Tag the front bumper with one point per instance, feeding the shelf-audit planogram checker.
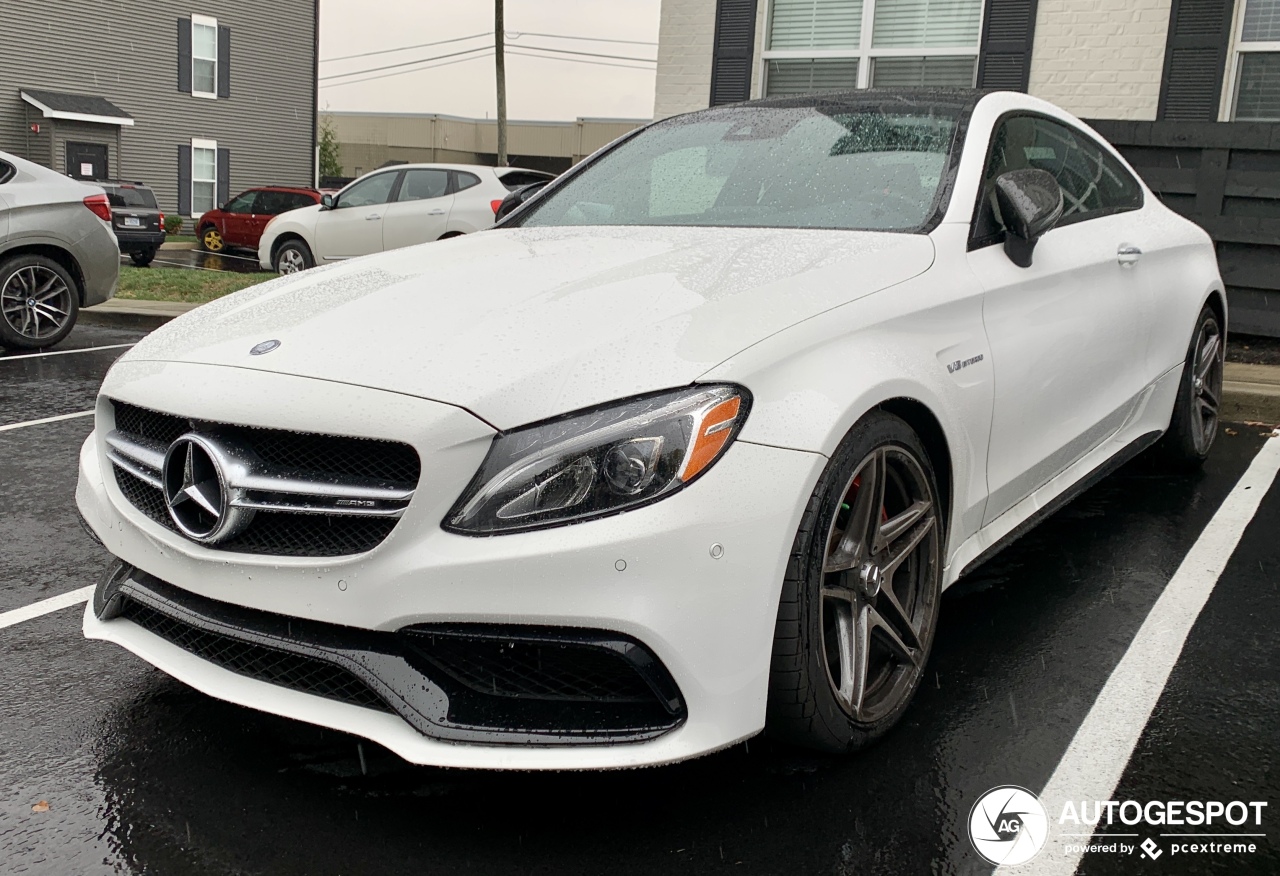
(647, 575)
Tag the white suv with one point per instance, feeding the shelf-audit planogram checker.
(390, 208)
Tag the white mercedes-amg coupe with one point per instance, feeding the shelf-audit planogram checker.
(684, 450)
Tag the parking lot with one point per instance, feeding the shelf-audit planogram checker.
(142, 774)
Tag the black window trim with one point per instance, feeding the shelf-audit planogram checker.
(975, 242)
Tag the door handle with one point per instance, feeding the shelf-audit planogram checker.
(372, 216)
(1128, 254)
(435, 212)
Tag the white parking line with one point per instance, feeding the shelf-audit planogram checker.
(46, 420)
(1093, 764)
(45, 606)
(66, 352)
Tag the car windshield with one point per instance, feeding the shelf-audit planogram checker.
(841, 166)
(131, 197)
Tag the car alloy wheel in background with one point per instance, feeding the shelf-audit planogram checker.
(292, 258)
(1206, 383)
(211, 240)
(38, 302)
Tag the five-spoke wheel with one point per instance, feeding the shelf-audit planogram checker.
(858, 613)
(1194, 423)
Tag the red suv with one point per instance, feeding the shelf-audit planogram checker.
(239, 222)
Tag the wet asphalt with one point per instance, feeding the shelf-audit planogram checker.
(145, 775)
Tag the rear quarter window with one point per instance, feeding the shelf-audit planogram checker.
(7, 172)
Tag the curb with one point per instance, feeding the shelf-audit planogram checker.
(178, 244)
(1250, 393)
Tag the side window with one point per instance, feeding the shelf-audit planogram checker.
(272, 203)
(466, 180)
(297, 201)
(369, 191)
(242, 203)
(420, 185)
(1093, 183)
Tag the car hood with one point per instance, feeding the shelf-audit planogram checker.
(520, 324)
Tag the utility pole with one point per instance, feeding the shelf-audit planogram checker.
(500, 65)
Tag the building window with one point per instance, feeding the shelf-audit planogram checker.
(204, 176)
(1257, 63)
(835, 45)
(204, 56)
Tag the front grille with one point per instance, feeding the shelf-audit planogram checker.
(294, 671)
(322, 464)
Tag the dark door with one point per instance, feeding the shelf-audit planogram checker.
(87, 161)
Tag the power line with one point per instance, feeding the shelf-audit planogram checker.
(516, 34)
(511, 35)
(589, 54)
(405, 63)
(488, 54)
(578, 61)
(404, 48)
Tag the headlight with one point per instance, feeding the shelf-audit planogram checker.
(600, 461)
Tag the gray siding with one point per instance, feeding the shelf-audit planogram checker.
(127, 52)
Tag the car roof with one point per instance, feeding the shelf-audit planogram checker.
(957, 98)
(303, 189)
(470, 168)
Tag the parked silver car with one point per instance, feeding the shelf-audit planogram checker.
(57, 252)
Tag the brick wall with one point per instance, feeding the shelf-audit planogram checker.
(1100, 59)
(686, 33)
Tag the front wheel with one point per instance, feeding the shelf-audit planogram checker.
(1194, 424)
(293, 257)
(860, 600)
(211, 240)
(39, 302)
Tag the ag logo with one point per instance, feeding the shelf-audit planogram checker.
(1008, 825)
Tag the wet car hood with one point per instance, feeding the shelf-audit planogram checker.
(520, 324)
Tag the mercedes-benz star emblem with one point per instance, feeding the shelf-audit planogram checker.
(264, 347)
(196, 491)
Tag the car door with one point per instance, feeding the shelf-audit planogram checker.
(1068, 333)
(236, 220)
(267, 206)
(421, 210)
(353, 227)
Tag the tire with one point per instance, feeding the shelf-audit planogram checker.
(891, 604)
(39, 302)
(143, 257)
(292, 257)
(1194, 424)
(210, 239)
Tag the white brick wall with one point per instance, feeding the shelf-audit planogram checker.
(1100, 59)
(686, 36)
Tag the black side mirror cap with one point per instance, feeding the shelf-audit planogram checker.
(1030, 204)
(516, 198)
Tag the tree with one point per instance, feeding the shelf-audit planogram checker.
(500, 69)
(330, 152)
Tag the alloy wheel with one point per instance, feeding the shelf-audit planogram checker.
(212, 240)
(878, 584)
(1206, 384)
(291, 262)
(36, 302)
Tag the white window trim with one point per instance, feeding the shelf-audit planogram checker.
(864, 53)
(205, 21)
(1236, 50)
(203, 144)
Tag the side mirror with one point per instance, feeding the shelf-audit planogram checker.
(326, 202)
(516, 198)
(1030, 203)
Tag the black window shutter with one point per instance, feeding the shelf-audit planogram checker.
(184, 180)
(224, 61)
(1004, 60)
(184, 55)
(1195, 60)
(732, 51)
(224, 176)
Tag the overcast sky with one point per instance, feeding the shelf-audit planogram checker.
(537, 88)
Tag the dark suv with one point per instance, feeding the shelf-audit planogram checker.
(239, 222)
(136, 219)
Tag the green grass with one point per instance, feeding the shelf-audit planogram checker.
(182, 284)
